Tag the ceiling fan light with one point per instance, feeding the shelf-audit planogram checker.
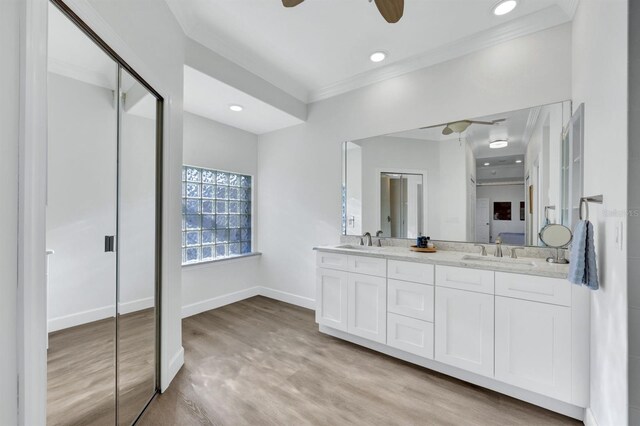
(504, 7)
(518, 161)
(378, 56)
(498, 144)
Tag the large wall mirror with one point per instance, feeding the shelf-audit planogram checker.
(479, 179)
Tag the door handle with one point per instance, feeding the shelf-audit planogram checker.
(109, 243)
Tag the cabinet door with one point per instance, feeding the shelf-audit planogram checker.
(533, 346)
(367, 307)
(331, 298)
(464, 330)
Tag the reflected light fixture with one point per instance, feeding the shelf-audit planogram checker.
(378, 56)
(518, 161)
(487, 164)
(236, 108)
(504, 7)
(498, 144)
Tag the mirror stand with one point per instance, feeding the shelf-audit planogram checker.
(558, 259)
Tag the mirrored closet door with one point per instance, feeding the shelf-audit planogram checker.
(103, 231)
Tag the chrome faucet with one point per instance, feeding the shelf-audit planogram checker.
(514, 255)
(379, 237)
(366, 235)
(498, 252)
(483, 249)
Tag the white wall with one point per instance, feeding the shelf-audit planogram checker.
(304, 162)
(353, 182)
(9, 128)
(213, 145)
(511, 193)
(600, 81)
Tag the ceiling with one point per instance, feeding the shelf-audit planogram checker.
(211, 98)
(514, 129)
(321, 47)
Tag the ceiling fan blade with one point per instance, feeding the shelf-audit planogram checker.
(391, 10)
(434, 126)
(291, 3)
(488, 123)
(447, 131)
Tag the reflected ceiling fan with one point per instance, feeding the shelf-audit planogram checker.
(462, 125)
(391, 10)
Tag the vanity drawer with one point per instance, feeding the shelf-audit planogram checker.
(368, 265)
(410, 299)
(332, 261)
(411, 271)
(538, 289)
(477, 280)
(410, 335)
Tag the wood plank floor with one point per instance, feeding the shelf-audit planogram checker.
(264, 362)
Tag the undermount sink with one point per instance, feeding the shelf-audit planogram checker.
(358, 247)
(498, 260)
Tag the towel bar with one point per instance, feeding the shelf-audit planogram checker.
(584, 201)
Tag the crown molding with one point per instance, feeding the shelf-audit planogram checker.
(570, 7)
(528, 24)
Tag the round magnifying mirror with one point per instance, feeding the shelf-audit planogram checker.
(556, 236)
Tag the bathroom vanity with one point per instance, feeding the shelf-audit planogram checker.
(516, 326)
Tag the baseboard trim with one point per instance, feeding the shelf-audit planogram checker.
(283, 296)
(176, 363)
(515, 392)
(589, 418)
(219, 301)
(136, 305)
(79, 318)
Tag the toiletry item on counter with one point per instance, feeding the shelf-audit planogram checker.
(422, 242)
(430, 243)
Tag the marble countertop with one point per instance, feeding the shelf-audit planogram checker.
(522, 265)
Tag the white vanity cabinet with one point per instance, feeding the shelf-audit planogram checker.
(533, 334)
(523, 335)
(367, 302)
(464, 329)
(331, 297)
(351, 294)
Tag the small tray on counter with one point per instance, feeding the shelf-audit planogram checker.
(423, 250)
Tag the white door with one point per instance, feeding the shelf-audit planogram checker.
(482, 220)
(331, 298)
(533, 346)
(367, 307)
(464, 330)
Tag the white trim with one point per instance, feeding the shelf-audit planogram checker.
(485, 382)
(79, 318)
(589, 418)
(526, 25)
(31, 303)
(136, 305)
(217, 302)
(176, 363)
(283, 296)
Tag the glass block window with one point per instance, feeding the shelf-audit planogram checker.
(216, 214)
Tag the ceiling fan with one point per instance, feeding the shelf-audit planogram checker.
(462, 125)
(391, 10)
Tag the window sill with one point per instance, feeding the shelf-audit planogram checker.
(225, 259)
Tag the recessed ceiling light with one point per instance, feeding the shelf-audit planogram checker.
(504, 7)
(378, 56)
(487, 164)
(498, 144)
(518, 161)
(236, 108)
